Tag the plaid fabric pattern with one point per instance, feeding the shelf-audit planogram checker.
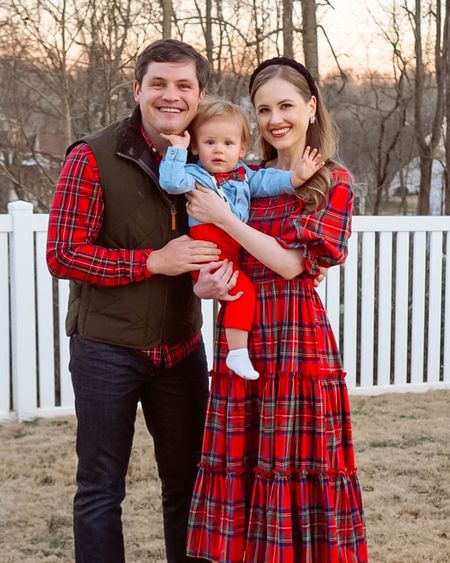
(153, 149)
(74, 224)
(277, 480)
(172, 354)
(323, 235)
(237, 174)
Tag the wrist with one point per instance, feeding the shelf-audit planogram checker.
(152, 262)
(296, 181)
(227, 221)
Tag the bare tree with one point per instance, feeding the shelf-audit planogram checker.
(206, 23)
(232, 48)
(167, 11)
(208, 30)
(66, 71)
(309, 35)
(447, 135)
(377, 129)
(427, 142)
(65, 63)
(393, 148)
(288, 45)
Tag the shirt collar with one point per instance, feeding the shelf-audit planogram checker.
(153, 150)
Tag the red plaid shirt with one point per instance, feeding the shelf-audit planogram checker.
(75, 222)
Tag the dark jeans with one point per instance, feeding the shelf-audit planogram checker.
(108, 382)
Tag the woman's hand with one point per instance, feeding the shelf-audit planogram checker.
(319, 279)
(206, 206)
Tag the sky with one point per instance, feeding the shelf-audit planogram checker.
(354, 35)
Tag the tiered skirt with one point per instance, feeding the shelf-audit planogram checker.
(277, 481)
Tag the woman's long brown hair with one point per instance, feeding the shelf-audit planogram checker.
(321, 135)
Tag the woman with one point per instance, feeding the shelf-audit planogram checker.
(277, 482)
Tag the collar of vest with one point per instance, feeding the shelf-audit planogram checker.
(131, 145)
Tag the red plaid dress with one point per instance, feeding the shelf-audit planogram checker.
(277, 480)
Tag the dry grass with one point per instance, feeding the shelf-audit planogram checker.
(403, 450)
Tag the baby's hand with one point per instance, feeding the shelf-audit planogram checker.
(180, 141)
(310, 163)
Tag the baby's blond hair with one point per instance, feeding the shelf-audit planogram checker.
(212, 108)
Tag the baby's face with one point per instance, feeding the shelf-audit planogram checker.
(218, 144)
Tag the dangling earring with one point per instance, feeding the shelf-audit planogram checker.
(312, 119)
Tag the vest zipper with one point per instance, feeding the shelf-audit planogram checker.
(173, 213)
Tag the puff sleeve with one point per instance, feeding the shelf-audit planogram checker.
(324, 234)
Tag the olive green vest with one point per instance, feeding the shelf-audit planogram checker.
(137, 215)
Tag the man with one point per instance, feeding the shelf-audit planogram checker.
(133, 319)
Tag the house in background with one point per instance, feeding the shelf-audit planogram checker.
(406, 183)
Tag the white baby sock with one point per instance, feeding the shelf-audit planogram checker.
(239, 361)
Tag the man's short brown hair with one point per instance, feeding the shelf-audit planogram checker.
(172, 51)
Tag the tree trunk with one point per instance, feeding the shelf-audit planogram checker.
(167, 18)
(423, 203)
(427, 148)
(288, 44)
(309, 35)
(258, 33)
(208, 31)
(403, 193)
(447, 113)
(379, 191)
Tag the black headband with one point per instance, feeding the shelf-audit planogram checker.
(286, 62)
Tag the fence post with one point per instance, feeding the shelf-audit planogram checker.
(23, 320)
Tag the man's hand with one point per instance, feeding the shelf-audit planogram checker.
(181, 255)
(180, 141)
(319, 279)
(216, 283)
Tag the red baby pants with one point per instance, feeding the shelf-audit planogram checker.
(238, 314)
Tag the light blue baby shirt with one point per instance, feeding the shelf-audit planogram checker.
(177, 177)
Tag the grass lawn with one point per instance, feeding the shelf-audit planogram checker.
(403, 452)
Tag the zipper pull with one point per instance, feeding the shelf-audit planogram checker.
(173, 213)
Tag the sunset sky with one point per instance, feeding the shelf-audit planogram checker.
(354, 35)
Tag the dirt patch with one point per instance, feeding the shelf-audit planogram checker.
(403, 453)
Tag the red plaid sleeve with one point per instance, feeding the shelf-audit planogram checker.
(324, 234)
(75, 221)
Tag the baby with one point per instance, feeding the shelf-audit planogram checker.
(220, 136)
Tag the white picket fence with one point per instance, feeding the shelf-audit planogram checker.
(389, 305)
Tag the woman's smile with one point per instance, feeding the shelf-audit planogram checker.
(280, 131)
